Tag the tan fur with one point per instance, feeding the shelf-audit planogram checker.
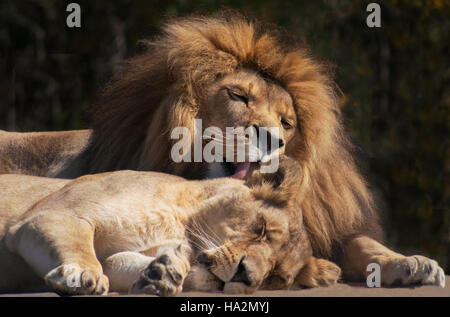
(175, 81)
(51, 154)
(129, 225)
(181, 76)
(322, 273)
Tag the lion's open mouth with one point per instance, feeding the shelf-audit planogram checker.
(241, 170)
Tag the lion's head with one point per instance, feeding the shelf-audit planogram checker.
(230, 71)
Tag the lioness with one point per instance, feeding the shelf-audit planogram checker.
(151, 233)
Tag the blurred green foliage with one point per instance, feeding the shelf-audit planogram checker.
(395, 85)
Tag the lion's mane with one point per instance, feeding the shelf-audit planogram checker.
(161, 88)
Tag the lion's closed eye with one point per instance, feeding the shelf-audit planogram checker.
(286, 123)
(238, 95)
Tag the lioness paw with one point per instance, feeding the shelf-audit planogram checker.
(73, 279)
(327, 274)
(318, 272)
(163, 277)
(414, 269)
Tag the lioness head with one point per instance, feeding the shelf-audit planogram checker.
(255, 242)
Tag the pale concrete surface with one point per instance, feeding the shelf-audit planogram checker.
(339, 290)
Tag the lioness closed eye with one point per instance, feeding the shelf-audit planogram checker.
(153, 233)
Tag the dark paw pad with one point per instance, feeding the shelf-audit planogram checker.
(154, 271)
(164, 259)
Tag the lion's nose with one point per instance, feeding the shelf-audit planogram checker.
(272, 141)
(242, 274)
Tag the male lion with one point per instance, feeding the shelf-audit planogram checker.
(230, 72)
(150, 231)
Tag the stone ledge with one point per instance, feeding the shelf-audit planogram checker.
(339, 290)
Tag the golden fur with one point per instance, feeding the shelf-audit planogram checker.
(127, 227)
(180, 76)
(163, 88)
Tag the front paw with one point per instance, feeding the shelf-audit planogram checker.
(411, 270)
(163, 277)
(317, 273)
(74, 280)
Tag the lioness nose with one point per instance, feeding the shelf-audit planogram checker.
(272, 141)
(242, 274)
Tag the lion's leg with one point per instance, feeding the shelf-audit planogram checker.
(318, 272)
(396, 268)
(60, 249)
(165, 275)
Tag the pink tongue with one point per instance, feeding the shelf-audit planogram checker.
(241, 170)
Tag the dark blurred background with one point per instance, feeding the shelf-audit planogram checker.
(394, 81)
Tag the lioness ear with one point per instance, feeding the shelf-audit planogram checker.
(288, 173)
(258, 178)
(280, 187)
